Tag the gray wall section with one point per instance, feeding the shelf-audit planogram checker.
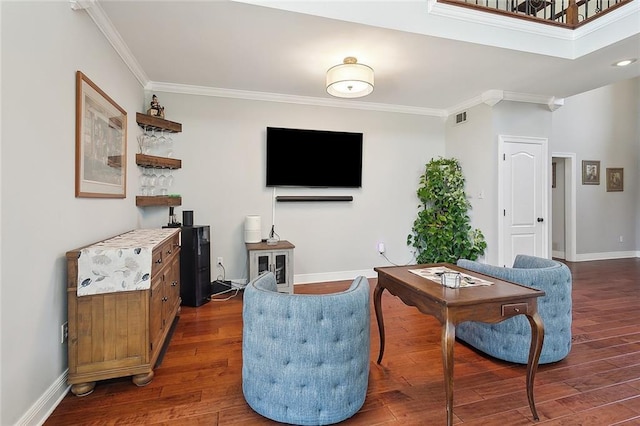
(558, 211)
(602, 125)
(475, 144)
(222, 147)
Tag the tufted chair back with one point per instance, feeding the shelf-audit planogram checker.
(510, 339)
(305, 357)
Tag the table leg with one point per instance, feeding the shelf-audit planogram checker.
(448, 340)
(537, 338)
(377, 304)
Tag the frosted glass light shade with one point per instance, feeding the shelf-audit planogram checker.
(350, 79)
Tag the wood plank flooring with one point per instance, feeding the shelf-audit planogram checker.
(199, 380)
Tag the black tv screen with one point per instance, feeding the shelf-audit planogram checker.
(313, 158)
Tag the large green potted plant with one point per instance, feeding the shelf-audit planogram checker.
(441, 232)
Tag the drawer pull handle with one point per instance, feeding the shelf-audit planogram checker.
(516, 309)
(169, 251)
(159, 261)
(175, 283)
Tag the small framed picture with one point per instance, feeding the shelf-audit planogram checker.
(615, 179)
(590, 172)
(553, 175)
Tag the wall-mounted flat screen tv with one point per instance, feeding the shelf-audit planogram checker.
(313, 158)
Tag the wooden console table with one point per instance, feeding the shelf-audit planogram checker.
(451, 306)
(120, 314)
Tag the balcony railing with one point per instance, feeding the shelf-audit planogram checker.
(564, 13)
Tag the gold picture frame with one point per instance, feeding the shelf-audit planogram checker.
(101, 143)
(615, 179)
(590, 172)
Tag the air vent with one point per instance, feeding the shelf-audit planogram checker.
(461, 117)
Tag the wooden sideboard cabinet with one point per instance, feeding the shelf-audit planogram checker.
(121, 333)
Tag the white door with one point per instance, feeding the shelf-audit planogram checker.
(523, 184)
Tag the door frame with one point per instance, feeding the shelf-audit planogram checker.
(546, 194)
(570, 170)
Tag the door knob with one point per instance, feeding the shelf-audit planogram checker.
(540, 219)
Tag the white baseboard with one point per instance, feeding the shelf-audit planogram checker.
(333, 276)
(584, 257)
(44, 406)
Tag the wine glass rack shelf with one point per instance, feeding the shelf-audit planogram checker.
(144, 160)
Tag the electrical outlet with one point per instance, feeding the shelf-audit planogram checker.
(380, 247)
(64, 332)
(621, 239)
(219, 261)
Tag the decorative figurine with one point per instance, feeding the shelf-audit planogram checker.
(156, 109)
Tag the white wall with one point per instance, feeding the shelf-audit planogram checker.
(43, 44)
(472, 143)
(558, 194)
(602, 125)
(637, 120)
(475, 144)
(222, 148)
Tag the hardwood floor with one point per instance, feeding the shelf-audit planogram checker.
(199, 380)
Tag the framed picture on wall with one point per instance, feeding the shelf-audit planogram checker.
(615, 179)
(590, 172)
(553, 175)
(101, 143)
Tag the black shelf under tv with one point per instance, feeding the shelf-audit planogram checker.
(300, 198)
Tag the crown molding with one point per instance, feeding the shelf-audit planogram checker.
(576, 43)
(493, 97)
(608, 19)
(503, 22)
(291, 99)
(490, 97)
(102, 21)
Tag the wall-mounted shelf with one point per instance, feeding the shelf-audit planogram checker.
(298, 198)
(158, 200)
(144, 160)
(145, 121)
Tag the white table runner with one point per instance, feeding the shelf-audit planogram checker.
(121, 263)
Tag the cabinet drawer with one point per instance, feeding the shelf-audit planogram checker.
(514, 309)
(170, 249)
(156, 259)
(164, 253)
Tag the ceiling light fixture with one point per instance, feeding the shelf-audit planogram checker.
(350, 79)
(625, 62)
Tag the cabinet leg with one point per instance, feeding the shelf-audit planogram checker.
(83, 389)
(142, 379)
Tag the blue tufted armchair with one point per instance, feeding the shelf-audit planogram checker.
(305, 357)
(509, 340)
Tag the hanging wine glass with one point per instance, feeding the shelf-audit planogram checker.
(151, 140)
(162, 182)
(169, 178)
(144, 181)
(141, 142)
(169, 146)
(162, 144)
(153, 181)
